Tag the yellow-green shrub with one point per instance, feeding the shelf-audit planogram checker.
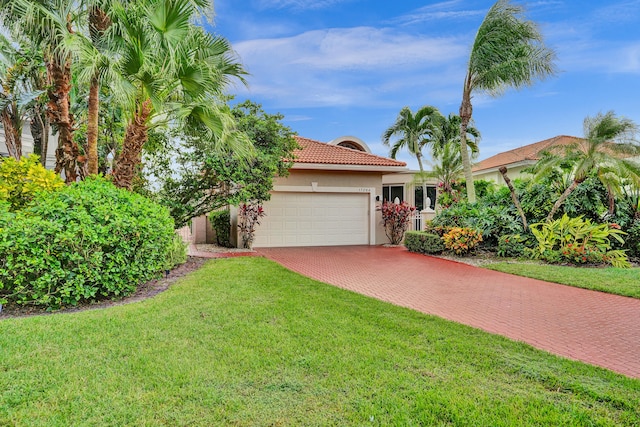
(21, 180)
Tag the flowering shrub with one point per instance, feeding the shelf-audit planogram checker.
(578, 241)
(395, 218)
(461, 240)
(248, 217)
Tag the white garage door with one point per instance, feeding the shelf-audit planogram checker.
(314, 219)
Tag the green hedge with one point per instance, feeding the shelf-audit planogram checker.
(221, 223)
(423, 242)
(87, 241)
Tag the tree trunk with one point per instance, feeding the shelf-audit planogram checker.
(514, 197)
(92, 127)
(12, 134)
(59, 114)
(466, 110)
(99, 22)
(562, 198)
(131, 155)
(40, 133)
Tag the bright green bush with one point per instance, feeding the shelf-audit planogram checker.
(176, 252)
(423, 243)
(461, 240)
(87, 241)
(21, 180)
(221, 223)
(578, 241)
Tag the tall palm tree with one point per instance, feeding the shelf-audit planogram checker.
(177, 74)
(508, 51)
(46, 23)
(607, 150)
(413, 132)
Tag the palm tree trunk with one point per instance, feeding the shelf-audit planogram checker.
(92, 127)
(99, 22)
(514, 197)
(59, 114)
(562, 198)
(466, 110)
(131, 155)
(12, 135)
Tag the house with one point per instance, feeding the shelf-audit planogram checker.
(518, 159)
(330, 198)
(27, 145)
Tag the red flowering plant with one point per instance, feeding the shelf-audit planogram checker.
(396, 218)
(249, 215)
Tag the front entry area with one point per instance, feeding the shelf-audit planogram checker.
(314, 219)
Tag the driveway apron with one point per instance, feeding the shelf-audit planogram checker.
(593, 327)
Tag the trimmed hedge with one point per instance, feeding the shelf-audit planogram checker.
(423, 242)
(87, 241)
(221, 223)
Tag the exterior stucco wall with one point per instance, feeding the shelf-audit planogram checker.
(514, 172)
(341, 179)
(406, 179)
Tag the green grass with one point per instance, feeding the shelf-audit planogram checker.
(246, 342)
(619, 281)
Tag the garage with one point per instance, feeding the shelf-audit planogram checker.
(314, 219)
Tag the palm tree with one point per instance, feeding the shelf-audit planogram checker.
(176, 73)
(607, 150)
(447, 159)
(413, 132)
(46, 23)
(508, 51)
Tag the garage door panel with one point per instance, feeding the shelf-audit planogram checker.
(314, 219)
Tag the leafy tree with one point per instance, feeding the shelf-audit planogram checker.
(508, 51)
(413, 132)
(204, 180)
(607, 150)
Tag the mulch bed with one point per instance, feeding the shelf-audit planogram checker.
(144, 291)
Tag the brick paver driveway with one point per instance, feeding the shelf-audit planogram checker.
(590, 326)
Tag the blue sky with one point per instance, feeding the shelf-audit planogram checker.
(347, 67)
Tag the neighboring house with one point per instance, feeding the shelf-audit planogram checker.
(27, 145)
(331, 197)
(517, 159)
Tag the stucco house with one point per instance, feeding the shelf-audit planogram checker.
(330, 198)
(518, 159)
(27, 145)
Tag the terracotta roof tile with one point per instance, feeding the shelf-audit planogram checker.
(320, 153)
(528, 152)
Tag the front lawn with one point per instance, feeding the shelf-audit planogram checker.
(246, 342)
(619, 281)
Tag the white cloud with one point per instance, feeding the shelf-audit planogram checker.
(349, 66)
(436, 12)
(351, 48)
(298, 4)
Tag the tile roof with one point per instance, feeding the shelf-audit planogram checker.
(317, 152)
(529, 152)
